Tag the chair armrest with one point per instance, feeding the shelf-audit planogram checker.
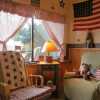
(36, 80)
(4, 91)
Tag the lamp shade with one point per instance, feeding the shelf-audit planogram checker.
(49, 46)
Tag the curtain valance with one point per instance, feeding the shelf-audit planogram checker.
(29, 11)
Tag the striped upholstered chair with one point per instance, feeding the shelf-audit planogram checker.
(14, 83)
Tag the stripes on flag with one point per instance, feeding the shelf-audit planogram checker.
(89, 22)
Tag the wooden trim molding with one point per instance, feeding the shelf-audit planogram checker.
(97, 45)
(76, 45)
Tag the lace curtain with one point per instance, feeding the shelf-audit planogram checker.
(9, 25)
(56, 34)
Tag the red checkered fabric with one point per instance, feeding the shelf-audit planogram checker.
(97, 74)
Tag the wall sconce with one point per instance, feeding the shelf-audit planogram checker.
(61, 3)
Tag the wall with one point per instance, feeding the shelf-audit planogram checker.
(49, 5)
(76, 37)
(52, 6)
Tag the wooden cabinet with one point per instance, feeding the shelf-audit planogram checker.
(50, 71)
(32, 68)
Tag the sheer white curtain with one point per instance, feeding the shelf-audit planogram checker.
(56, 33)
(9, 24)
(58, 30)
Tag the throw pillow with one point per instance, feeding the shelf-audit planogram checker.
(97, 74)
(85, 71)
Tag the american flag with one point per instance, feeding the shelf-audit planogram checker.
(86, 15)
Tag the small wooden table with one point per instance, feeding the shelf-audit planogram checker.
(51, 68)
(46, 69)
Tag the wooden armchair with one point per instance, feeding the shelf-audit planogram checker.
(14, 82)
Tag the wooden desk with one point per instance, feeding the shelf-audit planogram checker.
(50, 71)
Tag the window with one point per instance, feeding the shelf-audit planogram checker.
(22, 41)
(21, 37)
(47, 31)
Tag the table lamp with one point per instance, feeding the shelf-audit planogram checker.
(49, 46)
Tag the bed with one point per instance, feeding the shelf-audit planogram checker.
(79, 88)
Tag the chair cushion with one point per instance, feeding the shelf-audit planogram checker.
(31, 93)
